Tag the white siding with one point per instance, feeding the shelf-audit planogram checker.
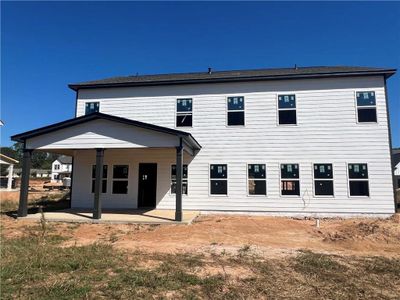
(327, 131)
(102, 134)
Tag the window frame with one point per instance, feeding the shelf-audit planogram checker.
(183, 113)
(57, 167)
(119, 179)
(258, 179)
(170, 180)
(227, 111)
(357, 179)
(366, 106)
(102, 179)
(323, 179)
(87, 102)
(279, 109)
(288, 179)
(209, 180)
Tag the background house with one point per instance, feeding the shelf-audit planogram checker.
(60, 168)
(7, 181)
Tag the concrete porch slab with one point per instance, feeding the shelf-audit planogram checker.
(156, 216)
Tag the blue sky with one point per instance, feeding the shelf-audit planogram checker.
(46, 45)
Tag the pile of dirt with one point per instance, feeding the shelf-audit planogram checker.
(373, 230)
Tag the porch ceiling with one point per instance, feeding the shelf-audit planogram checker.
(100, 130)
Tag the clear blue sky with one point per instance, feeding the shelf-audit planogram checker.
(45, 46)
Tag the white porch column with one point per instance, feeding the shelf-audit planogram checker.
(10, 176)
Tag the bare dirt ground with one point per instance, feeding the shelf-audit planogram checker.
(268, 236)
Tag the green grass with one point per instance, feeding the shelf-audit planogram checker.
(36, 266)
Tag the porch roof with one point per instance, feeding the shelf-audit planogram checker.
(188, 141)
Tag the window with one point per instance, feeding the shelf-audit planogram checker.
(218, 179)
(358, 179)
(323, 180)
(366, 107)
(235, 111)
(257, 184)
(184, 179)
(287, 109)
(103, 181)
(290, 183)
(120, 179)
(184, 113)
(56, 167)
(92, 107)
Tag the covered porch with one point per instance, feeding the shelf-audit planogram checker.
(109, 165)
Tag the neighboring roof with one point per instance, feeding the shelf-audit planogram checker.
(237, 75)
(396, 155)
(94, 116)
(7, 160)
(65, 159)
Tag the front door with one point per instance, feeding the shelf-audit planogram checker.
(147, 185)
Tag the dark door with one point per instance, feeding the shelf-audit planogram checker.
(147, 185)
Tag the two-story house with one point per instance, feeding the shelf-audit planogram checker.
(60, 168)
(311, 140)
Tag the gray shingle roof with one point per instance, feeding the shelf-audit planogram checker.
(237, 75)
(65, 159)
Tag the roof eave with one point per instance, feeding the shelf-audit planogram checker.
(385, 72)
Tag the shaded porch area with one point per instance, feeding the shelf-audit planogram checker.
(154, 216)
(105, 138)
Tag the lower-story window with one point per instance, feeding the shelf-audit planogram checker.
(103, 181)
(120, 179)
(290, 182)
(358, 180)
(323, 180)
(256, 179)
(184, 179)
(219, 179)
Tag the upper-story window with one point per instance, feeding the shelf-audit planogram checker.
(287, 109)
(184, 112)
(235, 111)
(366, 107)
(92, 107)
(56, 167)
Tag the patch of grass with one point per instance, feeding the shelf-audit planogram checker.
(36, 267)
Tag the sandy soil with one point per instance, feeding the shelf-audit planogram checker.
(269, 236)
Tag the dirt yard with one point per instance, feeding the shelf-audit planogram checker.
(269, 236)
(216, 257)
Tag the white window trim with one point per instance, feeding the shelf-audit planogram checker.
(323, 179)
(357, 179)
(256, 179)
(288, 179)
(366, 106)
(241, 110)
(279, 109)
(209, 180)
(102, 179)
(181, 113)
(119, 179)
(170, 180)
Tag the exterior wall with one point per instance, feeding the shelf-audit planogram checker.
(63, 168)
(327, 132)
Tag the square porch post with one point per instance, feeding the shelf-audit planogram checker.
(23, 193)
(10, 176)
(179, 172)
(98, 183)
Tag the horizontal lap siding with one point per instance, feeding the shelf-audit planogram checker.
(327, 131)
